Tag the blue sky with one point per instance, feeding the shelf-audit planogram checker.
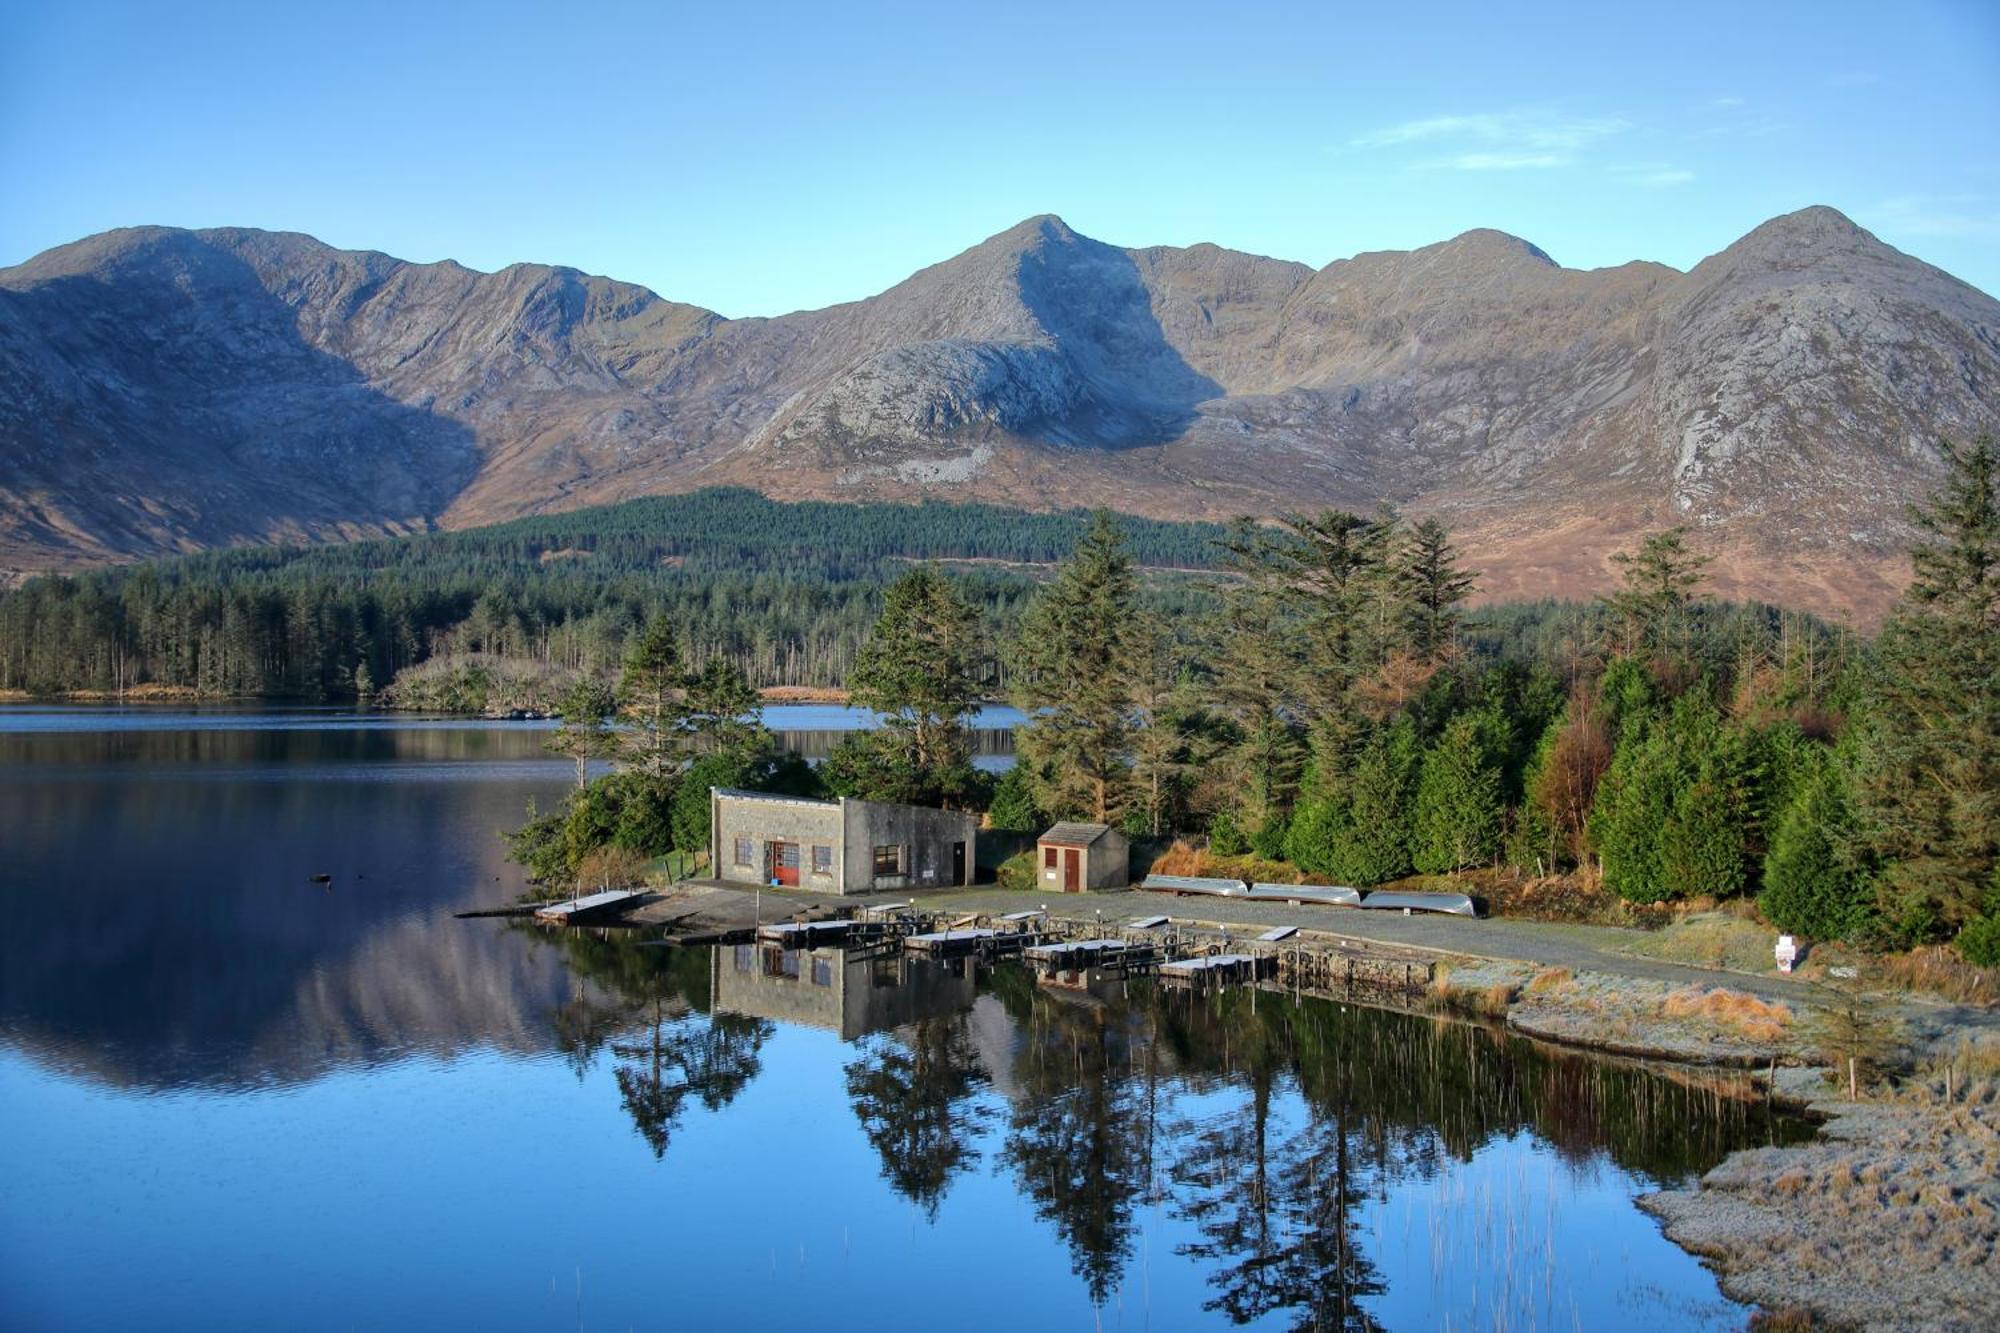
(762, 158)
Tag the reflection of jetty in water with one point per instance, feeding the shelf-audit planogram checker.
(846, 992)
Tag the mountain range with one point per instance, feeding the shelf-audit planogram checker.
(165, 390)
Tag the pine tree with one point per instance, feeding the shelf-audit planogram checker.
(652, 699)
(1431, 589)
(1658, 589)
(1168, 741)
(1357, 830)
(1701, 846)
(1632, 805)
(1810, 885)
(1929, 790)
(1674, 814)
(724, 714)
(918, 669)
(582, 734)
(1256, 650)
(1455, 822)
(1072, 663)
(1013, 808)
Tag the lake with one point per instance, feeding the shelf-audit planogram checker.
(236, 1098)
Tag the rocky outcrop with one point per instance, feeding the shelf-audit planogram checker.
(162, 390)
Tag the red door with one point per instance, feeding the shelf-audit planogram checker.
(1072, 880)
(785, 863)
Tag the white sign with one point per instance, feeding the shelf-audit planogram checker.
(1787, 952)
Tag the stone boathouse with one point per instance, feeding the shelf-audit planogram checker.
(843, 846)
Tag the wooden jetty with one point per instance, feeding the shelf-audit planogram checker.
(591, 907)
(963, 941)
(1079, 964)
(1211, 970)
(1070, 953)
(803, 934)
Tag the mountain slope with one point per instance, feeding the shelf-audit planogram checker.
(163, 390)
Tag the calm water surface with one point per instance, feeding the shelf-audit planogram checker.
(235, 1099)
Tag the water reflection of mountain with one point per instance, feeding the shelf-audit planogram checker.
(162, 928)
(163, 931)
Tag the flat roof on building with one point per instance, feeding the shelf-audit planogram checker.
(771, 797)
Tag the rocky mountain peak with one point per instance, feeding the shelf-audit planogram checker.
(232, 385)
(1484, 245)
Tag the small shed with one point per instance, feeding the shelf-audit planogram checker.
(1075, 857)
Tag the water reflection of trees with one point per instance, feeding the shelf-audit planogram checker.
(1326, 1105)
(915, 1093)
(709, 1057)
(650, 1007)
(1261, 1121)
(1270, 1204)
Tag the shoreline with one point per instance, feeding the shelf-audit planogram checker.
(188, 694)
(1888, 1219)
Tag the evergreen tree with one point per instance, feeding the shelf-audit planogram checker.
(1701, 846)
(1633, 803)
(1673, 815)
(1810, 886)
(1455, 821)
(1255, 649)
(1167, 740)
(1929, 791)
(1358, 830)
(651, 698)
(1072, 667)
(1658, 589)
(1013, 809)
(1431, 589)
(919, 670)
(723, 714)
(582, 734)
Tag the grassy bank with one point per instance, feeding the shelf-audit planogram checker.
(1889, 1220)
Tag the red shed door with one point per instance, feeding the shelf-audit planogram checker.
(785, 863)
(1072, 877)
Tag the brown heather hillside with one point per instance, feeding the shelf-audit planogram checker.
(164, 390)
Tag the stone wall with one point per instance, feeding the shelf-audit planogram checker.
(925, 835)
(765, 819)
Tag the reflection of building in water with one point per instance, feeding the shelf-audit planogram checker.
(850, 994)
